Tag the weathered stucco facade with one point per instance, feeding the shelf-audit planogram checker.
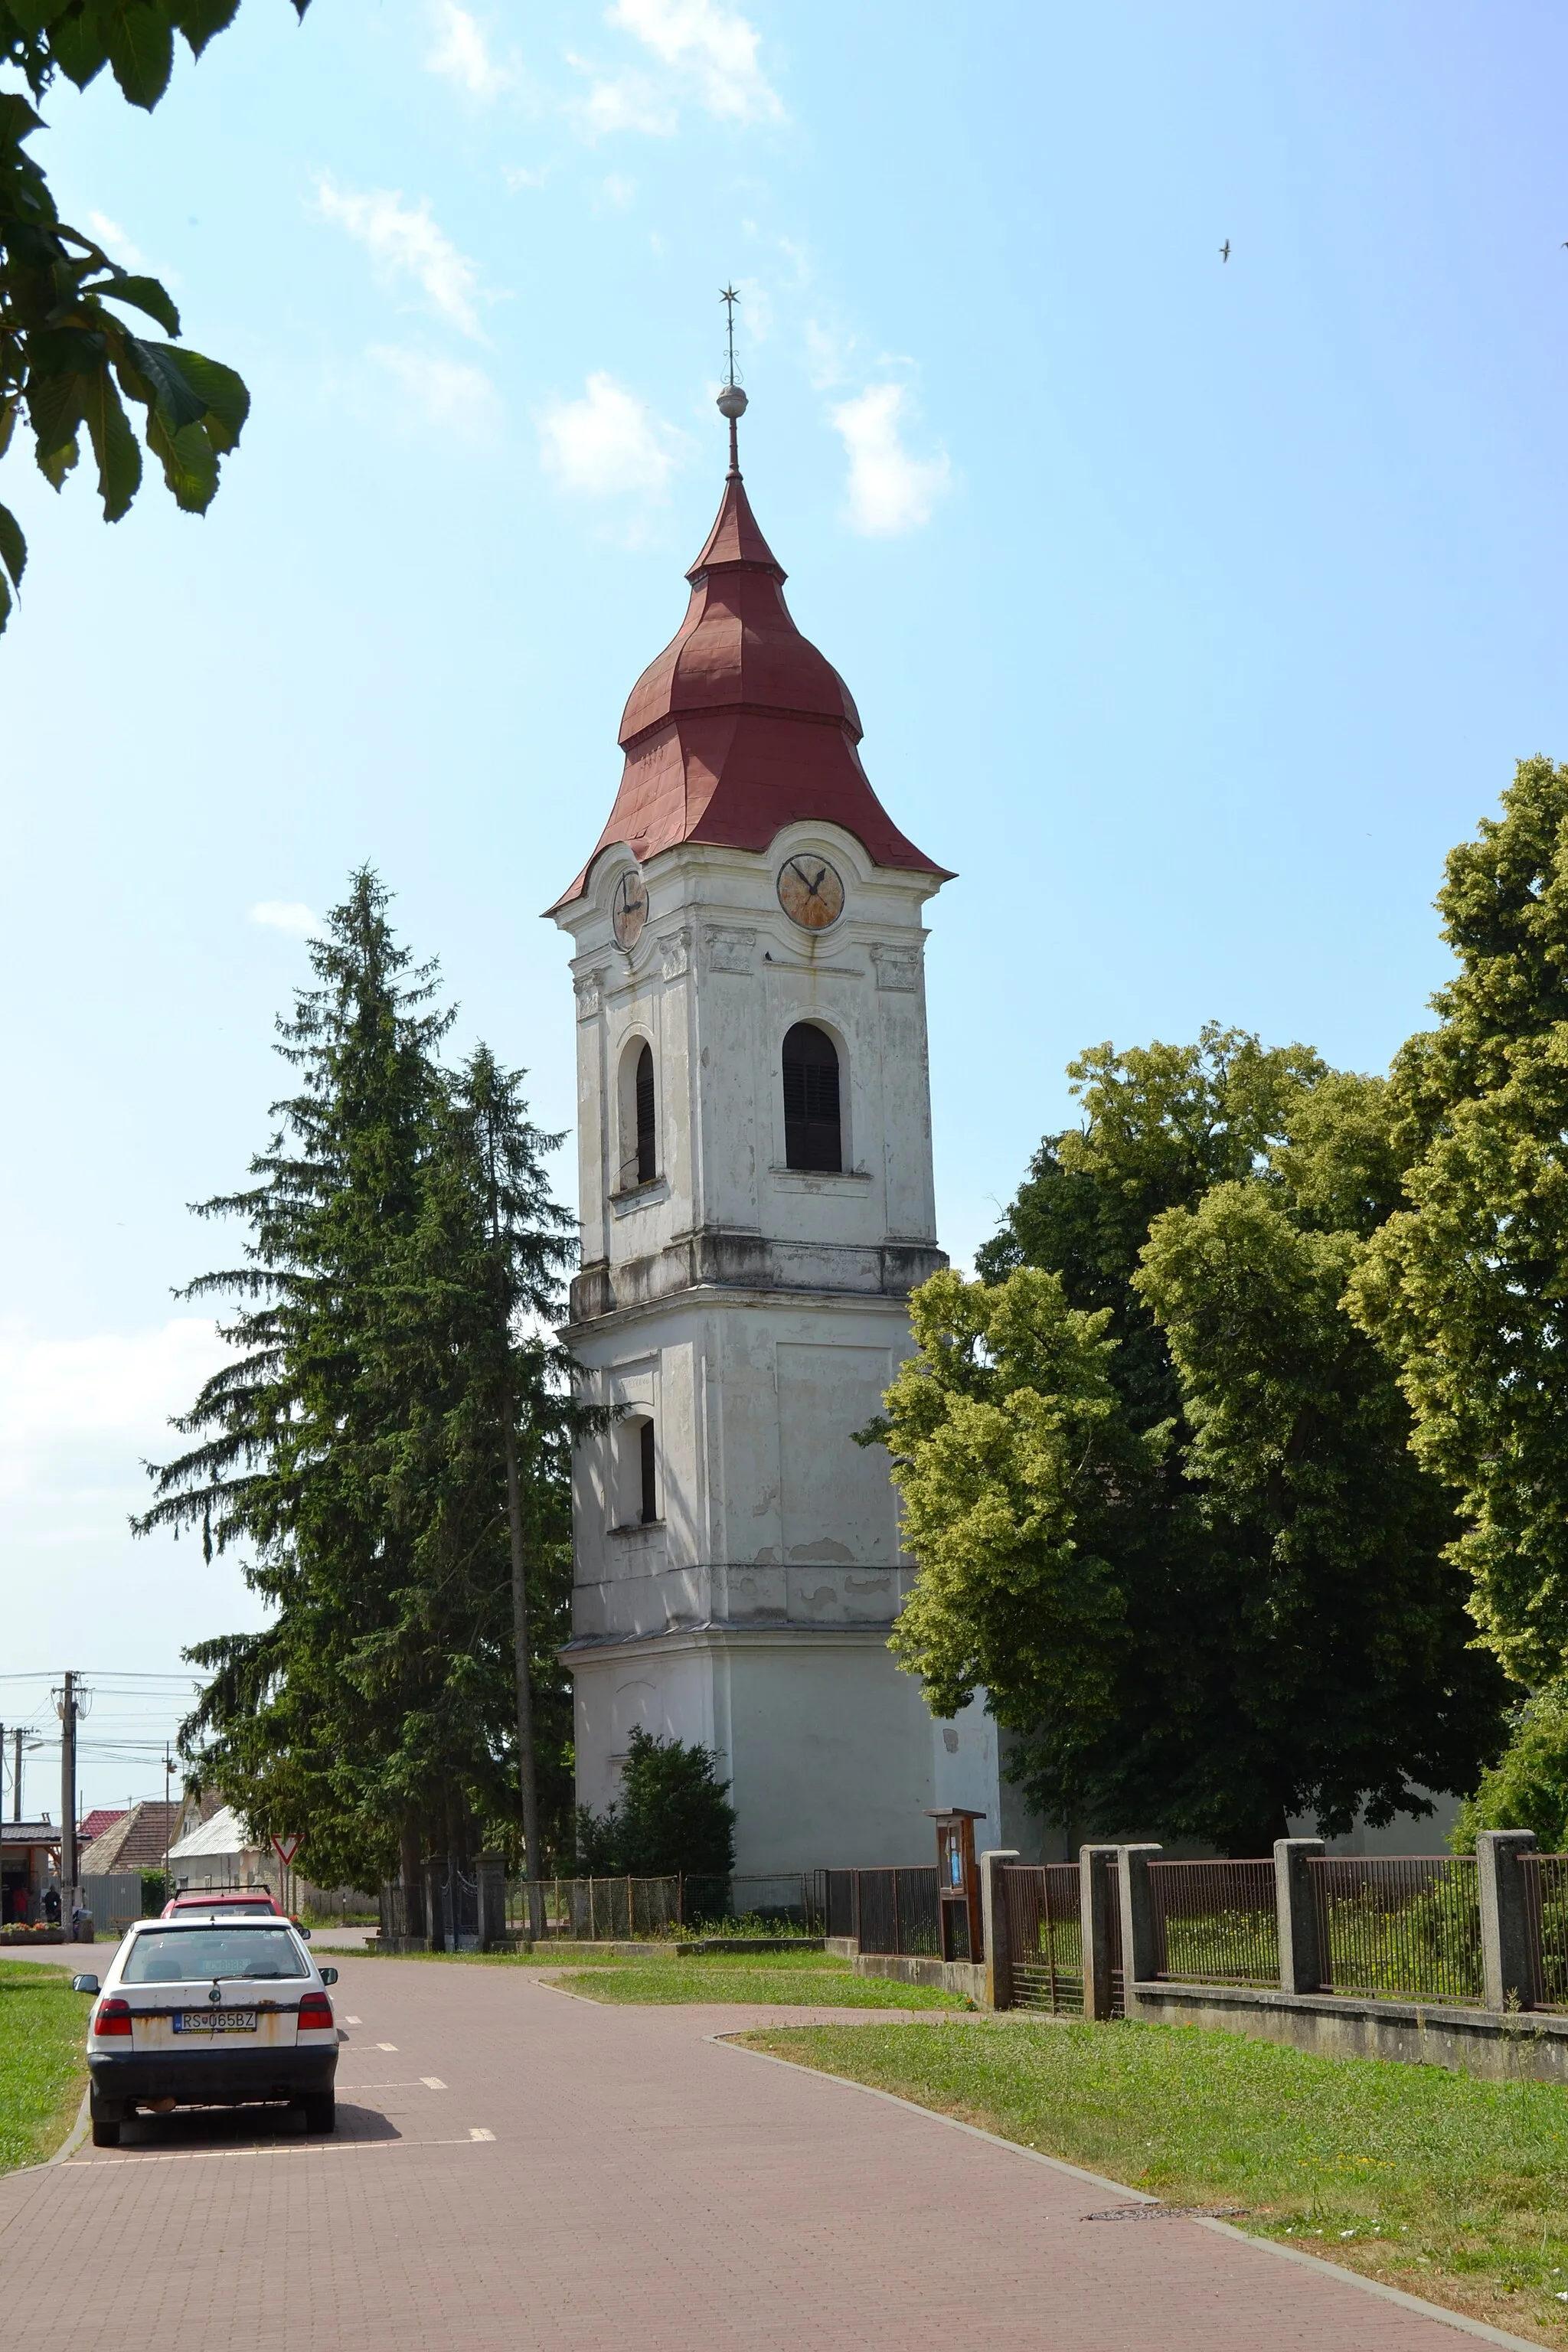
(737, 1557)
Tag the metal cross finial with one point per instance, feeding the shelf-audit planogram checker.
(731, 399)
(729, 297)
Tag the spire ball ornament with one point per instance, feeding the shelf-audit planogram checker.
(731, 402)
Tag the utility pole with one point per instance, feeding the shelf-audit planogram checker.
(68, 1707)
(18, 1733)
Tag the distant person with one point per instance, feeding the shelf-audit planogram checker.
(52, 1906)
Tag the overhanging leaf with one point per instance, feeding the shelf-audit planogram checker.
(79, 42)
(200, 19)
(142, 294)
(228, 401)
(13, 545)
(56, 464)
(114, 447)
(190, 465)
(32, 15)
(141, 49)
(18, 119)
(163, 368)
(54, 405)
(4, 605)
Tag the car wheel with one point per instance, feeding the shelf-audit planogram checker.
(321, 2112)
(105, 2134)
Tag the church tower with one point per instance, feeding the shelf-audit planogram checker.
(756, 1202)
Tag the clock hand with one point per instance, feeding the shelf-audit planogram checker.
(814, 888)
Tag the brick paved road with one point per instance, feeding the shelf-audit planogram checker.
(643, 2189)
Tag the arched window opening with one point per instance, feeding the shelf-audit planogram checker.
(648, 1139)
(649, 1472)
(813, 1131)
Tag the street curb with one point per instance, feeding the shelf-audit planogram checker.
(1097, 2180)
(75, 2136)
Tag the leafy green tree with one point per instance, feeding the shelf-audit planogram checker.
(1527, 1788)
(673, 1816)
(1465, 1287)
(1159, 1484)
(68, 358)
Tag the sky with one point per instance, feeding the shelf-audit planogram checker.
(1194, 607)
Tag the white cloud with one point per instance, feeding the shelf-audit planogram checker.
(889, 490)
(608, 443)
(630, 102)
(116, 243)
(405, 242)
(445, 391)
(712, 48)
(286, 915)
(618, 190)
(462, 54)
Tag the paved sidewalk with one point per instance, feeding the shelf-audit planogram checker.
(515, 2168)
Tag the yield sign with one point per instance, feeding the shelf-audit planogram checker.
(286, 1848)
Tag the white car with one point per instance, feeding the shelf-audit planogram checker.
(210, 2012)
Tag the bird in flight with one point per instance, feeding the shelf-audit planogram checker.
(1224, 250)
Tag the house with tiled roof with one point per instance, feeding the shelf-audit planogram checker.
(137, 1840)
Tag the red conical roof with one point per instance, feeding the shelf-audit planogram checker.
(740, 727)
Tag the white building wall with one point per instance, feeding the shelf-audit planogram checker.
(757, 1313)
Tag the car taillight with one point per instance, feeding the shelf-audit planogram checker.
(315, 2014)
(113, 2017)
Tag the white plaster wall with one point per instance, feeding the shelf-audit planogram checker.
(718, 976)
(753, 1616)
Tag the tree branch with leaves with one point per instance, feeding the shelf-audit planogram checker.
(71, 359)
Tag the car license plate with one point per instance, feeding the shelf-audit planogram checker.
(214, 2021)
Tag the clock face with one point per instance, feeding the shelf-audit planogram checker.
(629, 910)
(810, 892)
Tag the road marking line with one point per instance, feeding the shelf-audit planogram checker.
(354, 2020)
(476, 2131)
(433, 2081)
(386, 2045)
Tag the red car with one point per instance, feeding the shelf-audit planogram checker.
(247, 1901)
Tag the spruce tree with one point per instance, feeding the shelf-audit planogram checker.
(390, 1440)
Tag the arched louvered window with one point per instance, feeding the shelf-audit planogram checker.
(648, 1136)
(813, 1132)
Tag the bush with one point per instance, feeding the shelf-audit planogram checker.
(1527, 1788)
(673, 1816)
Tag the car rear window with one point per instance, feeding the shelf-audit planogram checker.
(196, 1955)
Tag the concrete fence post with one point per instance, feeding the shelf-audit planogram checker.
(1296, 1904)
(1094, 1868)
(1139, 1937)
(1508, 1973)
(491, 1873)
(994, 1926)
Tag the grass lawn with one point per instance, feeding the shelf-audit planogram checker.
(43, 2060)
(1450, 2187)
(800, 1980)
(803, 1979)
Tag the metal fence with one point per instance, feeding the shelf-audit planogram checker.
(1044, 1935)
(1216, 1922)
(1545, 1881)
(622, 1910)
(884, 1910)
(116, 1897)
(1404, 1925)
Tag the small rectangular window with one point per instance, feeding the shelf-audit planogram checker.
(649, 1479)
